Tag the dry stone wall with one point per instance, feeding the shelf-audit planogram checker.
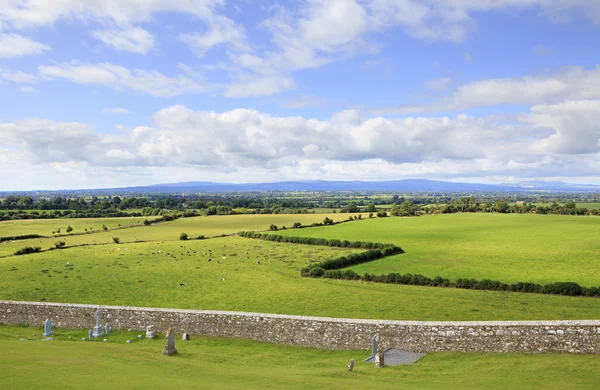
(321, 332)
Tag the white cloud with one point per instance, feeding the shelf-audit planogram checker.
(222, 31)
(246, 145)
(439, 84)
(15, 45)
(116, 111)
(17, 76)
(570, 84)
(131, 39)
(118, 77)
(28, 90)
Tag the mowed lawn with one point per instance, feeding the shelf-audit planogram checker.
(138, 274)
(45, 227)
(506, 247)
(168, 231)
(208, 362)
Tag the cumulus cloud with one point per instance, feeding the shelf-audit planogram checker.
(574, 83)
(118, 77)
(221, 31)
(15, 45)
(131, 39)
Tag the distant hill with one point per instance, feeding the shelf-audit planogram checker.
(409, 185)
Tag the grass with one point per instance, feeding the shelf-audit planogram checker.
(165, 231)
(208, 362)
(45, 227)
(138, 275)
(509, 248)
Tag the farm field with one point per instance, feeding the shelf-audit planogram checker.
(506, 247)
(137, 274)
(165, 231)
(45, 227)
(209, 362)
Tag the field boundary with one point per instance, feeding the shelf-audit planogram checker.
(574, 336)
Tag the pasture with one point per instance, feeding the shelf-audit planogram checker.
(163, 231)
(137, 274)
(208, 362)
(506, 247)
(45, 227)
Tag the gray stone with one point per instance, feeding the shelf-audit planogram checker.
(97, 331)
(128, 341)
(185, 337)
(351, 365)
(91, 334)
(83, 339)
(107, 328)
(49, 339)
(48, 329)
(379, 359)
(395, 357)
(170, 343)
(374, 348)
(105, 340)
(150, 333)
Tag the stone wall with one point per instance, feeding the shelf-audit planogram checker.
(321, 332)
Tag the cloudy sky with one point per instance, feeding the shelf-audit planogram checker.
(103, 93)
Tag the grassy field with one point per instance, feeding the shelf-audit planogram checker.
(165, 231)
(208, 362)
(45, 227)
(505, 247)
(137, 274)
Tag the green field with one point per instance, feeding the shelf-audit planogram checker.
(209, 362)
(45, 227)
(505, 247)
(136, 274)
(163, 231)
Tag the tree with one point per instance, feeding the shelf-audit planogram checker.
(297, 224)
(371, 208)
(183, 236)
(382, 214)
(328, 221)
(405, 209)
(116, 240)
(69, 229)
(501, 206)
(273, 227)
(352, 207)
(104, 228)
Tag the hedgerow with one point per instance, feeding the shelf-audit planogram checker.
(22, 237)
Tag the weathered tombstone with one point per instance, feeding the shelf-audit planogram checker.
(107, 328)
(351, 365)
(91, 334)
(48, 329)
(97, 331)
(150, 333)
(170, 343)
(379, 361)
(185, 337)
(374, 348)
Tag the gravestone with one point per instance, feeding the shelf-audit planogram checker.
(97, 331)
(351, 365)
(48, 329)
(150, 333)
(170, 343)
(185, 337)
(107, 328)
(91, 334)
(374, 348)
(379, 360)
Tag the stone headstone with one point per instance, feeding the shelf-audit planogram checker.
(91, 334)
(97, 331)
(170, 343)
(374, 348)
(379, 360)
(48, 329)
(107, 328)
(150, 333)
(185, 337)
(351, 365)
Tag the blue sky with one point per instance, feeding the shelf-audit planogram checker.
(108, 93)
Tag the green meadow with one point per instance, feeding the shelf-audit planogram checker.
(163, 231)
(505, 247)
(149, 274)
(46, 227)
(208, 363)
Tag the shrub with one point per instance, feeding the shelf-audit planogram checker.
(200, 237)
(60, 244)
(273, 227)
(382, 214)
(146, 222)
(183, 236)
(103, 228)
(370, 215)
(28, 249)
(328, 221)
(69, 229)
(316, 272)
(350, 275)
(563, 288)
(116, 240)
(297, 224)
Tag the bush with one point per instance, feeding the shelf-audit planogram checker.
(69, 229)
(28, 249)
(116, 240)
(147, 223)
(328, 221)
(103, 228)
(564, 288)
(200, 237)
(60, 244)
(183, 236)
(273, 227)
(297, 224)
(382, 214)
(316, 272)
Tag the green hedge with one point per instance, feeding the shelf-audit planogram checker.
(23, 237)
(28, 249)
